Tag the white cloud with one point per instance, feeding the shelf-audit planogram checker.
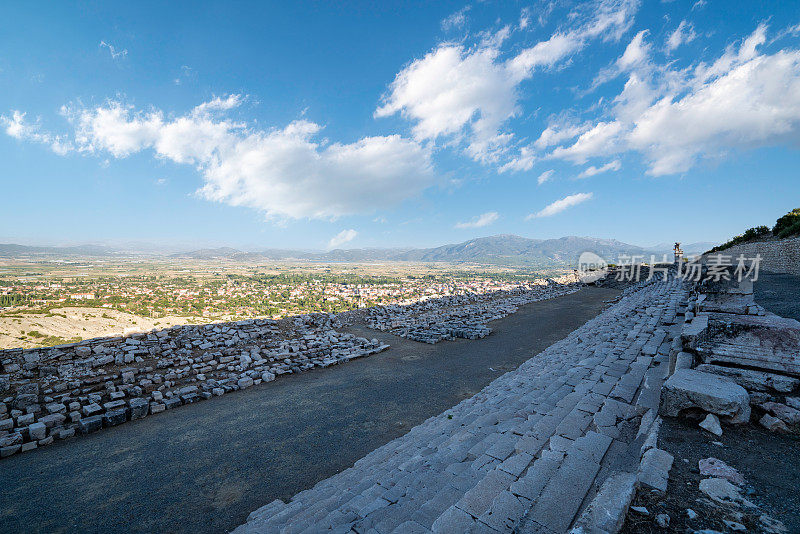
(479, 221)
(599, 140)
(466, 95)
(560, 205)
(593, 171)
(345, 236)
(684, 33)
(456, 20)
(525, 18)
(115, 54)
(635, 53)
(674, 117)
(545, 176)
(283, 172)
(522, 162)
(17, 127)
(556, 133)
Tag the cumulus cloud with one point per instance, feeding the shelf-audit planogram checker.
(592, 170)
(742, 100)
(345, 236)
(467, 94)
(284, 172)
(115, 53)
(560, 205)
(479, 221)
(601, 139)
(556, 133)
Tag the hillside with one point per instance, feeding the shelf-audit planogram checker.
(502, 249)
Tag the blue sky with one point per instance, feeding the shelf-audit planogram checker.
(312, 125)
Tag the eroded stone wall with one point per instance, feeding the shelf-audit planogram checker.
(779, 256)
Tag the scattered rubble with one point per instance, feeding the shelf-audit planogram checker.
(688, 388)
(711, 423)
(56, 392)
(461, 316)
(734, 363)
(713, 467)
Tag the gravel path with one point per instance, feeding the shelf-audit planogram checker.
(204, 467)
(523, 455)
(779, 293)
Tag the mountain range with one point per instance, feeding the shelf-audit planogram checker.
(495, 250)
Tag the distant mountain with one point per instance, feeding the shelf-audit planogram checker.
(503, 249)
(516, 250)
(12, 251)
(496, 250)
(209, 253)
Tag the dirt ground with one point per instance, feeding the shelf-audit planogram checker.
(27, 330)
(767, 461)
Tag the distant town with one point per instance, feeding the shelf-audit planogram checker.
(39, 300)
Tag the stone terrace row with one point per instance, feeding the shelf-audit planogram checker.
(525, 454)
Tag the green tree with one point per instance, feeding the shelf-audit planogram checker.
(787, 225)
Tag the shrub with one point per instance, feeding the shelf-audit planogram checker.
(751, 234)
(790, 231)
(787, 221)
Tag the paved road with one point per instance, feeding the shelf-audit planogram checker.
(205, 466)
(779, 293)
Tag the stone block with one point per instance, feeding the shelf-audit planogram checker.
(26, 419)
(773, 423)
(24, 400)
(53, 420)
(190, 398)
(115, 417)
(9, 450)
(37, 431)
(684, 360)
(114, 405)
(90, 424)
(92, 409)
(654, 469)
(688, 388)
(172, 402)
(139, 408)
(65, 433)
(56, 407)
(753, 380)
(245, 382)
(606, 512)
(11, 439)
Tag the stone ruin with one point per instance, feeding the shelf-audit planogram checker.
(738, 361)
(460, 316)
(59, 392)
(55, 392)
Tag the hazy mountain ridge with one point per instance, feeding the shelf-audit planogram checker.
(12, 250)
(501, 249)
